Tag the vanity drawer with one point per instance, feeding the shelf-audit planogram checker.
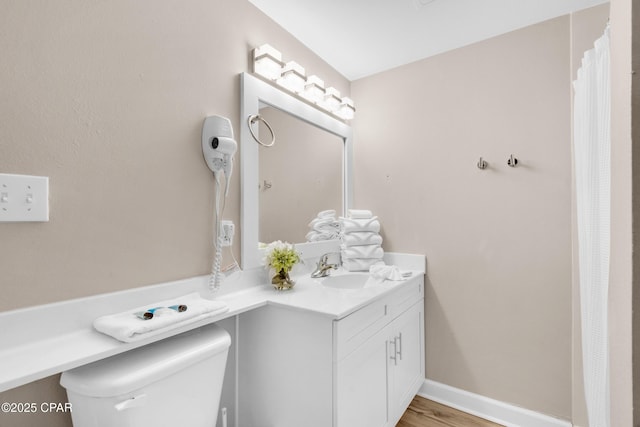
(404, 298)
(353, 330)
(356, 328)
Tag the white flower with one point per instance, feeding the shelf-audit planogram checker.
(280, 254)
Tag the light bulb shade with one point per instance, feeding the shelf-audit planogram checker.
(346, 110)
(267, 62)
(314, 90)
(292, 77)
(331, 100)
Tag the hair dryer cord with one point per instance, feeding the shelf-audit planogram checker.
(215, 279)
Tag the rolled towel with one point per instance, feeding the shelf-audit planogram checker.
(128, 327)
(360, 238)
(356, 225)
(359, 214)
(368, 251)
(360, 264)
(387, 272)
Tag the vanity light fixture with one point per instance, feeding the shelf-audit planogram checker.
(292, 77)
(267, 63)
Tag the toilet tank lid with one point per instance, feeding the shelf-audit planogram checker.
(136, 368)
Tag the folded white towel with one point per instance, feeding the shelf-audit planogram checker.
(387, 272)
(360, 264)
(360, 238)
(368, 251)
(327, 228)
(359, 214)
(128, 327)
(318, 222)
(355, 225)
(316, 236)
(330, 213)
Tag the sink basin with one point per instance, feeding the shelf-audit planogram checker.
(346, 281)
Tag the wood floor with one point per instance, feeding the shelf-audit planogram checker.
(426, 413)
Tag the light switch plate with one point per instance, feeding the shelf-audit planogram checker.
(24, 198)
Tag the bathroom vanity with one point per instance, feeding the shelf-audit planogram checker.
(323, 354)
(321, 367)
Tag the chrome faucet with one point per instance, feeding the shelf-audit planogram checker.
(323, 267)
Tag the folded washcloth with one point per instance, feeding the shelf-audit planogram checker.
(360, 264)
(387, 272)
(367, 251)
(128, 327)
(360, 238)
(359, 214)
(355, 225)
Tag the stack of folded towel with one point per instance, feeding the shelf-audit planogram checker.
(361, 242)
(324, 227)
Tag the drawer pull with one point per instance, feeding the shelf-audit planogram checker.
(399, 347)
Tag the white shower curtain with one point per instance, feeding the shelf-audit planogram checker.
(592, 141)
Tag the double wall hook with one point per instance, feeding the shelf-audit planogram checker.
(483, 164)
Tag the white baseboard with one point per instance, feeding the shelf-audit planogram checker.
(489, 409)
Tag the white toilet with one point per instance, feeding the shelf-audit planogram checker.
(173, 382)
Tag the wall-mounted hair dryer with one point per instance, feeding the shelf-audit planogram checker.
(218, 148)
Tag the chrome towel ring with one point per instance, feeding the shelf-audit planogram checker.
(254, 118)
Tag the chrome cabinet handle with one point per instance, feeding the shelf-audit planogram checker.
(399, 352)
(394, 353)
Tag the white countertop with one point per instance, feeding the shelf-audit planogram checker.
(32, 346)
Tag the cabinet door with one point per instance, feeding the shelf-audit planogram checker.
(407, 370)
(361, 385)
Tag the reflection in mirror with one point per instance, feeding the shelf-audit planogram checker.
(299, 176)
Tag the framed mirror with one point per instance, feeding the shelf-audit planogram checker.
(306, 171)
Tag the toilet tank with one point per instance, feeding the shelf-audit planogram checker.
(173, 382)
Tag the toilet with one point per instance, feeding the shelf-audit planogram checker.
(173, 382)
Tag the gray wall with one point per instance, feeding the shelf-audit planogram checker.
(108, 99)
(498, 242)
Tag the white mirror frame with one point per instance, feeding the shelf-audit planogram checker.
(255, 91)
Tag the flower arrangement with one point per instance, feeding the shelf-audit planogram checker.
(281, 256)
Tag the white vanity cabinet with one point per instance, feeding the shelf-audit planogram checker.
(301, 368)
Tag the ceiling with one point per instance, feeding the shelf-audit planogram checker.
(359, 38)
